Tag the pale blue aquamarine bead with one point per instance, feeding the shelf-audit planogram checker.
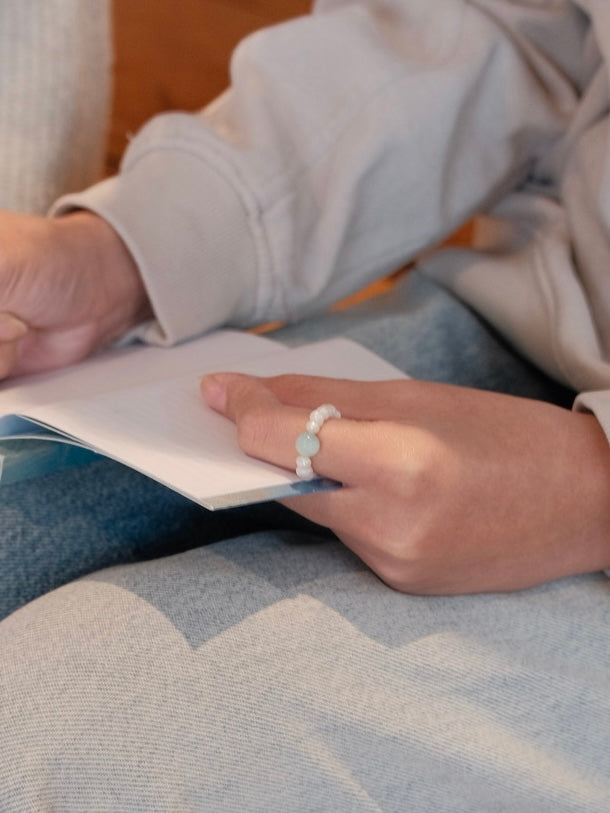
(307, 445)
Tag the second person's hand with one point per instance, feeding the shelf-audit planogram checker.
(68, 286)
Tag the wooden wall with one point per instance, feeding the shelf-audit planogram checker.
(173, 54)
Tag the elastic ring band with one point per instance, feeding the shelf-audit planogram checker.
(308, 443)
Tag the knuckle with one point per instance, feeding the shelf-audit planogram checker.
(419, 465)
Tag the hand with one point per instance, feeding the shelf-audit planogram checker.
(67, 287)
(445, 489)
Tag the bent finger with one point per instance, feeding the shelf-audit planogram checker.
(348, 514)
(339, 510)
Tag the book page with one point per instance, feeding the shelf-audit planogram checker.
(165, 430)
(129, 366)
(111, 370)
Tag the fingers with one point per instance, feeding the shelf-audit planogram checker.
(403, 400)
(350, 451)
(340, 510)
(12, 330)
(395, 400)
(355, 399)
(265, 428)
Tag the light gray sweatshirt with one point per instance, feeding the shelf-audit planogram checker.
(357, 137)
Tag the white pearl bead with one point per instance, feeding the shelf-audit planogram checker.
(308, 443)
(317, 416)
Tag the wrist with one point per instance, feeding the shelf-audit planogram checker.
(106, 266)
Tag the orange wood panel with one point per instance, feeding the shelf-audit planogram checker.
(174, 54)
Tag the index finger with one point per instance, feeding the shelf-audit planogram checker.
(350, 450)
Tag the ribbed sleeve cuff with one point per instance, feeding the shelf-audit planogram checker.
(188, 232)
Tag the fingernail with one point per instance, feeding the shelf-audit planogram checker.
(11, 328)
(214, 390)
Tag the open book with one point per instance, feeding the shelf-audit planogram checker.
(141, 406)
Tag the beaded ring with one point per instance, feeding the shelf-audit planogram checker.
(308, 443)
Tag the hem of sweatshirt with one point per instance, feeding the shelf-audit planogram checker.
(189, 234)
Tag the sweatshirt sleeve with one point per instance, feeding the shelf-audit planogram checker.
(349, 140)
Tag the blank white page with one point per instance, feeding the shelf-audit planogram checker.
(165, 430)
